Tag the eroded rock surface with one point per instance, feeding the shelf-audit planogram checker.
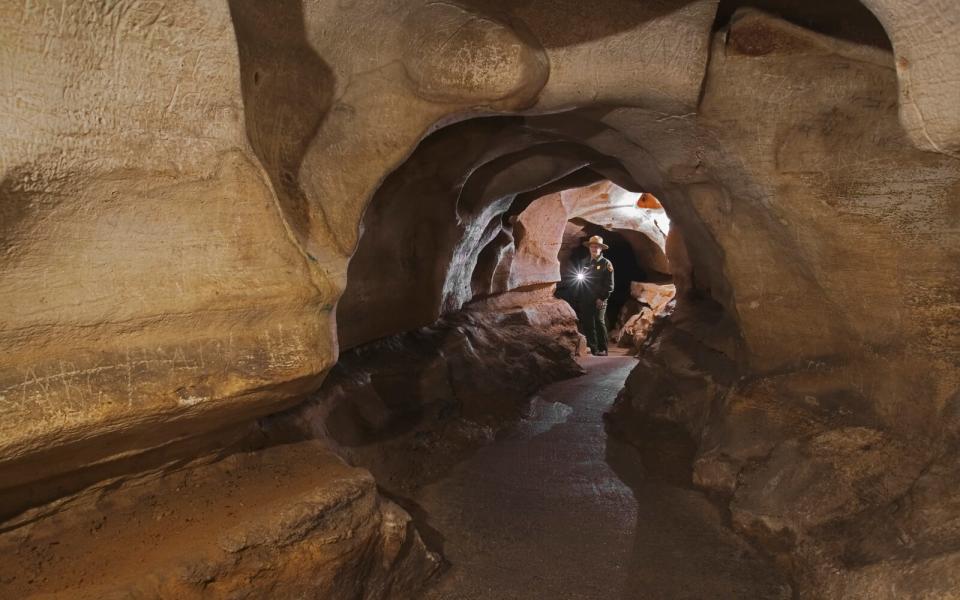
(648, 302)
(285, 521)
(410, 406)
(182, 188)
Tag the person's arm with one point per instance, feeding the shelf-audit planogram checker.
(608, 281)
(606, 284)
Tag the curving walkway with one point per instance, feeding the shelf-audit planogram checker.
(543, 513)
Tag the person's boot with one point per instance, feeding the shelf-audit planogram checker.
(602, 353)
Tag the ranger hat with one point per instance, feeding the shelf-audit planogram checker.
(596, 241)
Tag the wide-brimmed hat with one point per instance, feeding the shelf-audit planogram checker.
(596, 240)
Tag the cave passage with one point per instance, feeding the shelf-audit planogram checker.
(625, 264)
(557, 509)
(285, 313)
(628, 270)
(635, 227)
(516, 485)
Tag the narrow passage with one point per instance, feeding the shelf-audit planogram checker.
(555, 510)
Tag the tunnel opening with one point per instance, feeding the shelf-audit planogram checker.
(475, 265)
(626, 267)
(450, 323)
(454, 316)
(635, 227)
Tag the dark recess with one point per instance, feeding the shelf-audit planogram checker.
(844, 19)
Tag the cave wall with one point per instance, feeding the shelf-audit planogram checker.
(819, 402)
(204, 215)
(927, 62)
(827, 219)
(610, 207)
(149, 289)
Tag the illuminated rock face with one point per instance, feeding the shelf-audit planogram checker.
(466, 239)
(183, 187)
(615, 209)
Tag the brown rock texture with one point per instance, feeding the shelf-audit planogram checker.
(649, 302)
(281, 522)
(202, 204)
(409, 406)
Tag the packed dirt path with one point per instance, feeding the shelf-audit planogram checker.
(555, 510)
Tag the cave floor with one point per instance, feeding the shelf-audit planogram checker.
(554, 509)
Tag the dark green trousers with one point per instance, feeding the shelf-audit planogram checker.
(593, 321)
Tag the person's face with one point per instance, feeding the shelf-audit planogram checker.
(595, 251)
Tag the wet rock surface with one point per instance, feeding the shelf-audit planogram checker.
(554, 509)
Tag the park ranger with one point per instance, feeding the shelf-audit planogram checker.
(596, 285)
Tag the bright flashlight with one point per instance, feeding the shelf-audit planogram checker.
(581, 276)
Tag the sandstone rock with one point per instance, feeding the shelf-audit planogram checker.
(934, 577)
(183, 187)
(927, 63)
(648, 200)
(827, 477)
(636, 318)
(679, 261)
(409, 406)
(291, 520)
(453, 54)
(167, 218)
(679, 377)
(931, 522)
(615, 209)
(653, 295)
(757, 414)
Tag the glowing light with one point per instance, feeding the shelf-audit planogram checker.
(581, 276)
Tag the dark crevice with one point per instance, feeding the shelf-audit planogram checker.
(842, 19)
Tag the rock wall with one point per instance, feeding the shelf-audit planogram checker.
(819, 403)
(615, 209)
(649, 302)
(134, 220)
(204, 214)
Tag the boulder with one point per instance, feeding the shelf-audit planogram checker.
(283, 521)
